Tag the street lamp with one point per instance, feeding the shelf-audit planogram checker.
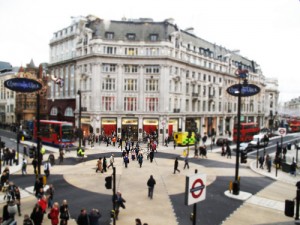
(79, 119)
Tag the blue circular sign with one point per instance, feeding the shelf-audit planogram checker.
(23, 85)
(246, 90)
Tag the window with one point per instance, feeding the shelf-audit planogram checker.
(130, 36)
(53, 111)
(131, 68)
(108, 103)
(130, 85)
(108, 84)
(152, 51)
(151, 85)
(152, 104)
(130, 104)
(152, 69)
(108, 67)
(109, 50)
(204, 77)
(153, 37)
(109, 35)
(131, 51)
(69, 112)
(187, 88)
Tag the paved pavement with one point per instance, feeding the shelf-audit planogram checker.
(265, 207)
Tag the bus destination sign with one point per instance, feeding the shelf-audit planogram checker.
(23, 85)
(246, 90)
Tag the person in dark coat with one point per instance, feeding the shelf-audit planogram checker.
(83, 218)
(37, 215)
(151, 183)
(176, 166)
(94, 217)
(64, 214)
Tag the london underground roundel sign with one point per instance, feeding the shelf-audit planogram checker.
(23, 85)
(195, 188)
(246, 90)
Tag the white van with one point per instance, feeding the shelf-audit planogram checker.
(260, 138)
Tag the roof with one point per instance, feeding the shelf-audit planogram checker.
(5, 67)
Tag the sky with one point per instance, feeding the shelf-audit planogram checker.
(266, 31)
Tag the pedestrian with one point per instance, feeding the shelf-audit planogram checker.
(24, 166)
(261, 161)
(43, 203)
(269, 163)
(18, 199)
(37, 215)
(138, 221)
(151, 155)
(140, 158)
(94, 217)
(126, 160)
(37, 186)
(196, 155)
(228, 151)
(54, 213)
(47, 166)
(99, 165)
(25, 151)
(293, 168)
(111, 161)
(61, 155)
(176, 166)
(50, 195)
(34, 164)
(186, 161)
(119, 202)
(64, 214)
(174, 145)
(83, 218)
(104, 165)
(151, 183)
(27, 220)
(223, 149)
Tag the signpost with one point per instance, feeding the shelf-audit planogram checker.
(195, 191)
(240, 90)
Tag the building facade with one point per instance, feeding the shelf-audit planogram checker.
(140, 77)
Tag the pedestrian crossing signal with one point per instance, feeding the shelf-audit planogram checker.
(243, 157)
(108, 182)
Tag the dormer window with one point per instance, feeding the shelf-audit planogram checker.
(153, 37)
(130, 36)
(109, 35)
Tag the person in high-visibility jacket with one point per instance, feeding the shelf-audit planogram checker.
(80, 152)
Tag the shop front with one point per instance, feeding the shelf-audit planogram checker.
(129, 128)
(86, 127)
(109, 126)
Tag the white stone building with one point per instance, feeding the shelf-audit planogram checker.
(140, 76)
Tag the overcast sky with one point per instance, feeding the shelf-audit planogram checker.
(266, 31)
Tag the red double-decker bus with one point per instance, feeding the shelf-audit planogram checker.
(54, 132)
(248, 130)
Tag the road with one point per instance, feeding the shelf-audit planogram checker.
(84, 188)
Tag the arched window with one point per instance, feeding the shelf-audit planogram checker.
(69, 112)
(54, 111)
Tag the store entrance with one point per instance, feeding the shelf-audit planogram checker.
(130, 131)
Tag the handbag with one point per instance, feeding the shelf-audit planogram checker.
(49, 216)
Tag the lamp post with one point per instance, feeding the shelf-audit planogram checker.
(240, 90)
(79, 120)
(38, 143)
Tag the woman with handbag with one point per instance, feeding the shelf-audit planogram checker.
(64, 213)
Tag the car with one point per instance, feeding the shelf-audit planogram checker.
(246, 147)
(25, 134)
(221, 140)
(260, 139)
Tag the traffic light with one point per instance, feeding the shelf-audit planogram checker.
(2, 144)
(243, 157)
(108, 182)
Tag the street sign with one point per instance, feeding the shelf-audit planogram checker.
(282, 131)
(195, 188)
(246, 90)
(23, 85)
